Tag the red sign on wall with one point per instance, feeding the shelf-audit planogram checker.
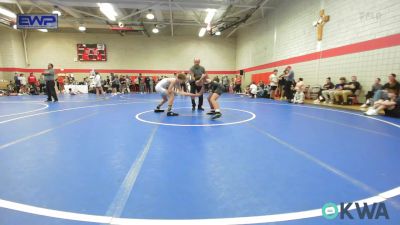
(261, 76)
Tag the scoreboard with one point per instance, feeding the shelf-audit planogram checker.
(92, 52)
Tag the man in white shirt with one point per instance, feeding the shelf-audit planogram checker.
(273, 83)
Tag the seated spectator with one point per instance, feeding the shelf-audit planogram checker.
(299, 95)
(329, 95)
(375, 87)
(327, 86)
(11, 87)
(390, 106)
(347, 90)
(391, 86)
(253, 90)
(260, 89)
(273, 83)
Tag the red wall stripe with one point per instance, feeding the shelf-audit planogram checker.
(378, 43)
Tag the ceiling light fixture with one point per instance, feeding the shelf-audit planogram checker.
(202, 32)
(7, 13)
(82, 28)
(155, 30)
(218, 33)
(108, 10)
(56, 10)
(210, 15)
(150, 15)
(43, 30)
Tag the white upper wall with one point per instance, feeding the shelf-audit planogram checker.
(287, 32)
(291, 24)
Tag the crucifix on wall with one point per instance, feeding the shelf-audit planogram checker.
(323, 19)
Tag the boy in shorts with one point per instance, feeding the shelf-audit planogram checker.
(166, 88)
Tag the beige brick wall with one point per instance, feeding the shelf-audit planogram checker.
(11, 50)
(128, 52)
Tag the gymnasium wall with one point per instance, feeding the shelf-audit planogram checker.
(129, 52)
(287, 36)
(11, 50)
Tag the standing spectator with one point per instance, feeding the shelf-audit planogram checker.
(151, 84)
(49, 78)
(32, 83)
(375, 87)
(327, 86)
(281, 84)
(72, 79)
(300, 88)
(98, 85)
(23, 83)
(128, 83)
(114, 84)
(196, 71)
(348, 89)
(273, 83)
(60, 80)
(141, 84)
(42, 84)
(137, 81)
(238, 84)
(225, 83)
(232, 86)
(122, 82)
(147, 82)
(17, 83)
(289, 81)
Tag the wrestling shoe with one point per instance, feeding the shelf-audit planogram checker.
(216, 115)
(211, 113)
(172, 114)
